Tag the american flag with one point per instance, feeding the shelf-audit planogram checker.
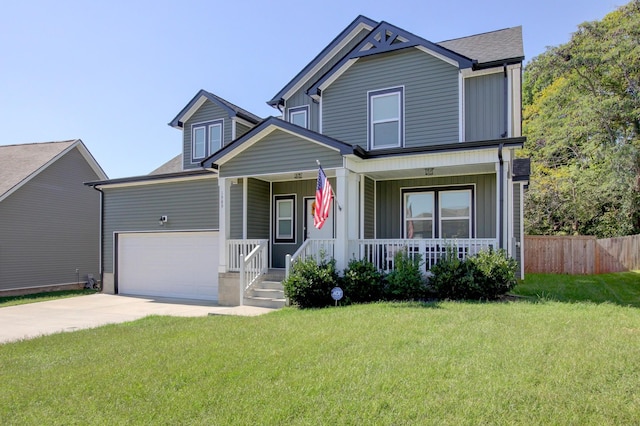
(323, 199)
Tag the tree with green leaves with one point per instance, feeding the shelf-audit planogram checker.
(582, 121)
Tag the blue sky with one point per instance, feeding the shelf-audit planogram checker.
(114, 73)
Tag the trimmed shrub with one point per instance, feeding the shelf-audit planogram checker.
(362, 282)
(494, 272)
(486, 275)
(406, 282)
(309, 284)
(452, 278)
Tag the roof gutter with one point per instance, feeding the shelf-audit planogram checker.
(501, 202)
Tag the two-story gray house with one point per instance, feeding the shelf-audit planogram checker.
(418, 140)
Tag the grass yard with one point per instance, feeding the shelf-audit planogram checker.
(528, 362)
(42, 297)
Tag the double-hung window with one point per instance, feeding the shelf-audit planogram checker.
(206, 138)
(438, 213)
(284, 217)
(299, 116)
(386, 118)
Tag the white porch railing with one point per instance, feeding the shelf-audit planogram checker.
(253, 266)
(382, 252)
(315, 248)
(237, 247)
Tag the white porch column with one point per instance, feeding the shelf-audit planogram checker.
(224, 188)
(347, 217)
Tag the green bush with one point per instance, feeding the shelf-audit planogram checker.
(494, 272)
(362, 282)
(309, 284)
(406, 282)
(486, 275)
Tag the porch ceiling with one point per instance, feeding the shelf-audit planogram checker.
(471, 169)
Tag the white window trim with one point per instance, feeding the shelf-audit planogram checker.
(304, 109)
(441, 219)
(372, 94)
(416, 219)
(437, 189)
(278, 199)
(207, 125)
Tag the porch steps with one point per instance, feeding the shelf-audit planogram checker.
(269, 293)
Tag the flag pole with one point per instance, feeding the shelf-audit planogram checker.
(332, 191)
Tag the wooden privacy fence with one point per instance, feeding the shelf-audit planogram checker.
(580, 255)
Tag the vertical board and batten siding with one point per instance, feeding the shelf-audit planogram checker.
(235, 206)
(484, 107)
(431, 100)
(389, 202)
(51, 226)
(189, 205)
(280, 152)
(258, 207)
(369, 208)
(301, 98)
(207, 112)
(517, 226)
(302, 189)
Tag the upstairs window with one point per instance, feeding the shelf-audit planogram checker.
(299, 116)
(386, 121)
(206, 138)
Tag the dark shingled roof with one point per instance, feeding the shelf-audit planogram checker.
(172, 166)
(494, 46)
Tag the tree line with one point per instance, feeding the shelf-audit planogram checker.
(581, 117)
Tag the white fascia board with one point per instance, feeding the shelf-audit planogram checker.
(156, 181)
(243, 122)
(417, 161)
(337, 74)
(439, 56)
(305, 79)
(258, 136)
(187, 115)
(468, 72)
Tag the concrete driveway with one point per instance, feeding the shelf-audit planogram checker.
(76, 313)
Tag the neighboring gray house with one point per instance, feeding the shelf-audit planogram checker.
(418, 140)
(49, 220)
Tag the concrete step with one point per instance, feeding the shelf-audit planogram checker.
(273, 293)
(273, 285)
(274, 275)
(264, 302)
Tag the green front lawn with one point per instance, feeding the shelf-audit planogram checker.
(528, 362)
(42, 297)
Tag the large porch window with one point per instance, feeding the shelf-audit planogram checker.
(438, 213)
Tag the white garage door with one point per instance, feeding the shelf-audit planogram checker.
(169, 264)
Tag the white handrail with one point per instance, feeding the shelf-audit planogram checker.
(382, 252)
(237, 247)
(253, 267)
(311, 248)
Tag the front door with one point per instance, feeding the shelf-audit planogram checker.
(310, 231)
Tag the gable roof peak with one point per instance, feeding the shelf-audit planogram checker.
(200, 97)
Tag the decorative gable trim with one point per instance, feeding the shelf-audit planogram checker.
(302, 78)
(268, 126)
(386, 38)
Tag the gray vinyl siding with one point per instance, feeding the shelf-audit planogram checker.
(241, 129)
(280, 152)
(235, 221)
(51, 226)
(189, 205)
(517, 224)
(302, 189)
(431, 99)
(389, 202)
(484, 110)
(369, 208)
(258, 203)
(301, 98)
(207, 112)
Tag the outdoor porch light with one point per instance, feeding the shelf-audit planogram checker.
(428, 171)
(163, 219)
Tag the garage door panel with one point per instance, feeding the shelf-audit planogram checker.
(169, 264)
